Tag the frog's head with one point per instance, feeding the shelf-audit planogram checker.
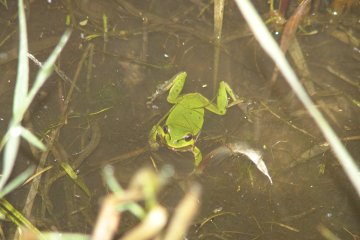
(175, 138)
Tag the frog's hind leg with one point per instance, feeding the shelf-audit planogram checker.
(222, 99)
(226, 89)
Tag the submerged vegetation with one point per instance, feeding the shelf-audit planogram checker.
(92, 113)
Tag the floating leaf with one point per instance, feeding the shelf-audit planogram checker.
(254, 155)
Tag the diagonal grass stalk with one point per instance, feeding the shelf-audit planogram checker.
(273, 50)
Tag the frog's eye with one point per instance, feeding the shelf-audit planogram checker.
(188, 137)
(166, 129)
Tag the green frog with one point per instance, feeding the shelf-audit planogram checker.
(185, 119)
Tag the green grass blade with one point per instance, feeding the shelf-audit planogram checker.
(4, 140)
(17, 218)
(16, 182)
(22, 81)
(111, 182)
(10, 153)
(273, 50)
(47, 68)
(32, 139)
(72, 174)
(115, 187)
(12, 137)
(22, 99)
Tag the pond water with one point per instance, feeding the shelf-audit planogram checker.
(107, 116)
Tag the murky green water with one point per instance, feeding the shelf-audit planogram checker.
(238, 202)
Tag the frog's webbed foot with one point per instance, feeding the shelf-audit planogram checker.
(166, 86)
(236, 102)
(196, 172)
(160, 89)
(153, 97)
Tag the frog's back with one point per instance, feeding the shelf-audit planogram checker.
(188, 114)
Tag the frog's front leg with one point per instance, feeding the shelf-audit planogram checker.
(222, 99)
(153, 143)
(157, 130)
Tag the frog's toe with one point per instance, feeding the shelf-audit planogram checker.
(196, 172)
(154, 146)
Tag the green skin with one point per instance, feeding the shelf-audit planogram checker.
(185, 119)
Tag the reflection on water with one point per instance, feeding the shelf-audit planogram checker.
(143, 50)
